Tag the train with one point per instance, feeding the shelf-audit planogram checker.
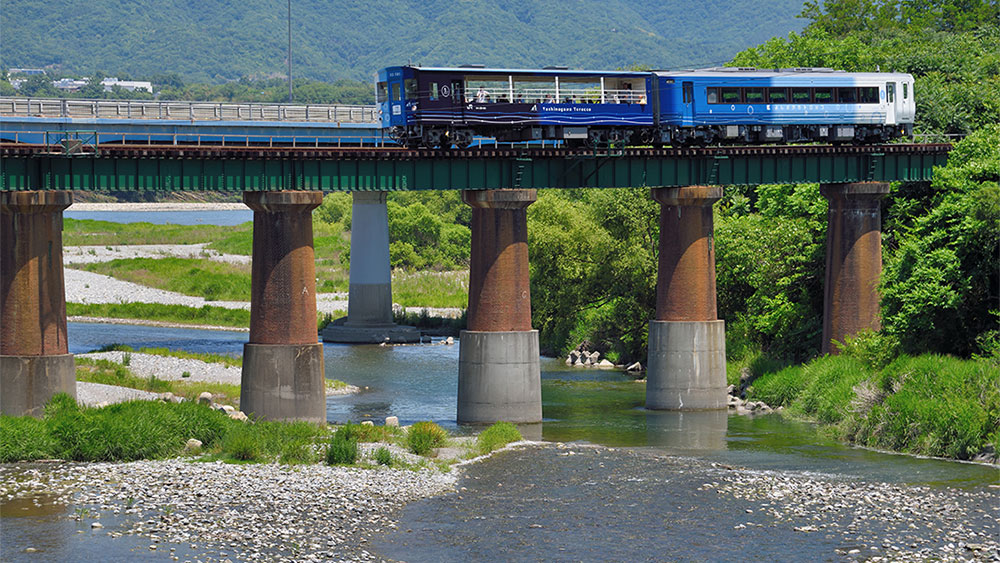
(442, 107)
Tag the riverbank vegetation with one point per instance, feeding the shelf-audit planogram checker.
(206, 315)
(137, 430)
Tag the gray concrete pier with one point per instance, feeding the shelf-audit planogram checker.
(283, 382)
(369, 301)
(687, 365)
(499, 377)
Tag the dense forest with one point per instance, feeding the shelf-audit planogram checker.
(219, 41)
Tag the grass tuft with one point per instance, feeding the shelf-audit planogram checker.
(424, 436)
(496, 437)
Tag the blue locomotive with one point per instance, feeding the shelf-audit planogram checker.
(441, 107)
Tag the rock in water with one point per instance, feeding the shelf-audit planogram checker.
(392, 421)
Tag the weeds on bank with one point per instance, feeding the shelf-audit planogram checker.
(424, 436)
(111, 373)
(205, 357)
(205, 315)
(191, 276)
(928, 404)
(430, 289)
(79, 232)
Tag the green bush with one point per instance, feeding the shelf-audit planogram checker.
(343, 448)
(496, 437)
(424, 436)
(243, 444)
(383, 456)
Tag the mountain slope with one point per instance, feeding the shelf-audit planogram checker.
(223, 40)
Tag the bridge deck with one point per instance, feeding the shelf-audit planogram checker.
(225, 168)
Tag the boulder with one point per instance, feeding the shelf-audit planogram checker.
(228, 409)
(192, 444)
(449, 341)
(634, 367)
(167, 397)
(569, 360)
(238, 415)
(392, 421)
(205, 398)
(367, 423)
(605, 364)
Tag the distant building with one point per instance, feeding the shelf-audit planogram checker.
(130, 85)
(69, 84)
(26, 71)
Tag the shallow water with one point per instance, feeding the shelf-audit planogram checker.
(586, 510)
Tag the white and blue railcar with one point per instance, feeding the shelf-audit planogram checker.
(437, 107)
(441, 107)
(791, 105)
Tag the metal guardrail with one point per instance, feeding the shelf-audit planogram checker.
(194, 111)
(197, 139)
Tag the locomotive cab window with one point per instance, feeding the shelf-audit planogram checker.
(801, 95)
(754, 95)
(395, 92)
(777, 96)
(823, 95)
(410, 86)
(381, 92)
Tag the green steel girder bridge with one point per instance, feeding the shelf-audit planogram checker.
(499, 370)
(200, 168)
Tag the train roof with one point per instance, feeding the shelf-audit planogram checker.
(743, 72)
(561, 71)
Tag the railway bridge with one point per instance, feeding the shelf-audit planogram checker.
(499, 377)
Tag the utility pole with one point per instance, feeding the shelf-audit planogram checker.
(289, 51)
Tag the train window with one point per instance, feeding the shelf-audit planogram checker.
(755, 95)
(890, 92)
(905, 84)
(847, 95)
(688, 88)
(713, 95)
(777, 95)
(432, 92)
(381, 92)
(395, 92)
(801, 95)
(730, 95)
(868, 95)
(410, 86)
(823, 95)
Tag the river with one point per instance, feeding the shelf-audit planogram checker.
(612, 481)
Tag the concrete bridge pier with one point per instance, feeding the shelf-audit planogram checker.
(687, 341)
(283, 362)
(853, 260)
(369, 303)
(35, 362)
(499, 376)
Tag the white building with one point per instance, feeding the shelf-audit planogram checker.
(130, 85)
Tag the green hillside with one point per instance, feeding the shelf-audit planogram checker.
(216, 40)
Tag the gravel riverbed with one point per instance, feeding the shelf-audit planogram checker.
(217, 511)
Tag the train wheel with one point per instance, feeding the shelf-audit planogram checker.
(461, 137)
(433, 138)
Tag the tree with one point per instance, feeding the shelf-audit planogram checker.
(940, 287)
